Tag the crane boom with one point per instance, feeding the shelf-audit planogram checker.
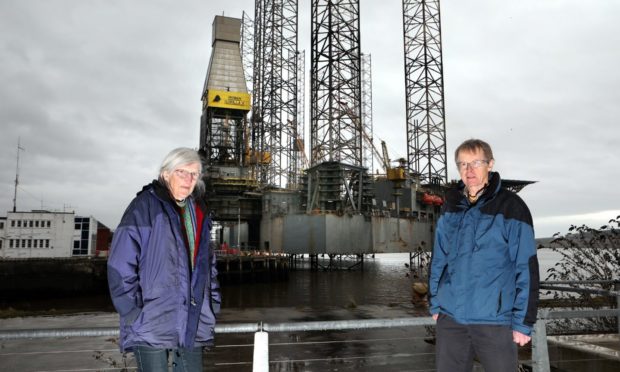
(386, 158)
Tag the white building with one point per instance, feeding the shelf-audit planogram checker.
(44, 234)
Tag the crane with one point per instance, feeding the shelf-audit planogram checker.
(397, 174)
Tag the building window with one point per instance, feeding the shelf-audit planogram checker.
(19, 223)
(49, 223)
(80, 247)
(0, 244)
(12, 223)
(23, 243)
(35, 243)
(47, 242)
(11, 243)
(1, 225)
(29, 243)
(31, 223)
(36, 223)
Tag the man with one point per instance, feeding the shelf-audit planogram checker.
(483, 282)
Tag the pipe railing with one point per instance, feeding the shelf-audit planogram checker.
(230, 328)
(260, 330)
(540, 353)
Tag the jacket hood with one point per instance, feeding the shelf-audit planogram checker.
(161, 191)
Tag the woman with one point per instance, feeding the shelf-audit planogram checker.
(161, 271)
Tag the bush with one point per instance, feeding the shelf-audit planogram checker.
(587, 254)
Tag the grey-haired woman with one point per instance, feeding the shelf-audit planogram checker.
(162, 272)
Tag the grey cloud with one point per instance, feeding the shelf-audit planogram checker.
(99, 91)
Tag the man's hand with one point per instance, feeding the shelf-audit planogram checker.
(519, 338)
(435, 316)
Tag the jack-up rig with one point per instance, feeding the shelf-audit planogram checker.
(264, 192)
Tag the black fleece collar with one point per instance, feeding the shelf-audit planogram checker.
(162, 193)
(457, 195)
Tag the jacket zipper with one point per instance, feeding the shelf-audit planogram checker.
(192, 301)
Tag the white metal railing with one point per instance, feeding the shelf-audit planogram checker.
(540, 354)
(260, 330)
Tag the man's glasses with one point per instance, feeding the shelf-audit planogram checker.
(461, 165)
(182, 173)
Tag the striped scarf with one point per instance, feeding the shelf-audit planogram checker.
(189, 222)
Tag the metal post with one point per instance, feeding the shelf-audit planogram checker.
(261, 352)
(540, 352)
(617, 289)
(239, 227)
(396, 194)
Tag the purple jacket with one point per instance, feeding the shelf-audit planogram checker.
(160, 302)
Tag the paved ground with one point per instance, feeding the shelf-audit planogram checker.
(384, 350)
(389, 349)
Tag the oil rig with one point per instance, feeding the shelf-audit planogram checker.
(264, 190)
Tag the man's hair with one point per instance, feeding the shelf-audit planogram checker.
(472, 145)
(178, 157)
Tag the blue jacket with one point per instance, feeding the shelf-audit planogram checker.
(161, 303)
(484, 268)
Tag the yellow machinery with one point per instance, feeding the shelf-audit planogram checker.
(396, 174)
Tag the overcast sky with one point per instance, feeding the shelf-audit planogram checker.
(100, 90)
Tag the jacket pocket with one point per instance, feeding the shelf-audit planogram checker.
(206, 321)
(131, 316)
(156, 317)
(499, 303)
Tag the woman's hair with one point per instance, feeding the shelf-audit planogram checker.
(178, 157)
(472, 145)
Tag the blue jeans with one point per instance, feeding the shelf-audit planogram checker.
(150, 359)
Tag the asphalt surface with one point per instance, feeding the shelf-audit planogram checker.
(403, 349)
(376, 350)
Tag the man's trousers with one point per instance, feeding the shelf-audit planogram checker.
(457, 344)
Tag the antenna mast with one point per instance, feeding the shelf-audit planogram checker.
(16, 176)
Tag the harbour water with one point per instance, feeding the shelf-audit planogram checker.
(384, 280)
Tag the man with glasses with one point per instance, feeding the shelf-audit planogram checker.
(483, 282)
(162, 271)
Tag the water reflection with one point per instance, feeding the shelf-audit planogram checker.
(383, 280)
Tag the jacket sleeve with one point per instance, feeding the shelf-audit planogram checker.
(439, 260)
(216, 296)
(123, 262)
(523, 250)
